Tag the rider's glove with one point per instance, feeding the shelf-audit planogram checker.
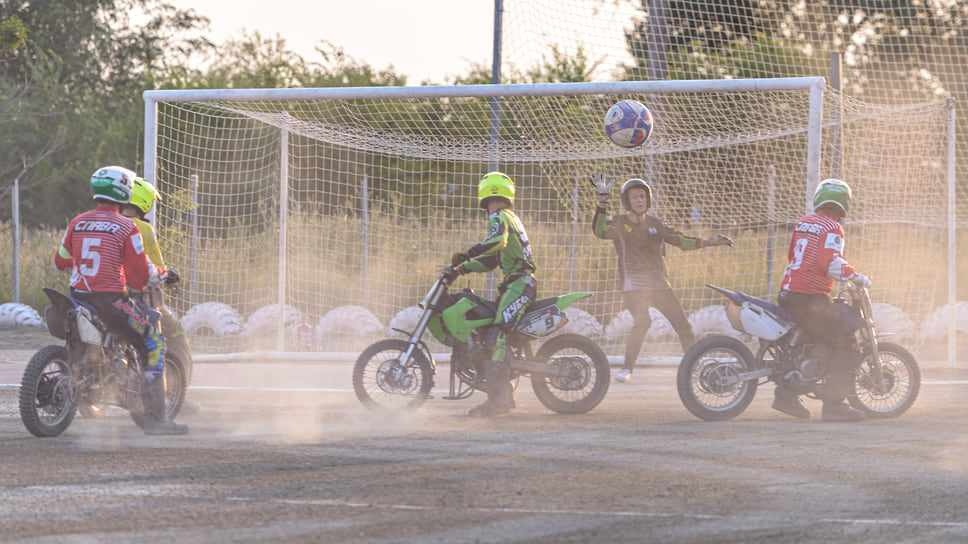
(598, 181)
(452, 273)
(173, 279)
(719, 240)
(459, 257)
(859, 280)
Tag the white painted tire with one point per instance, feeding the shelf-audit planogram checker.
(890, 318)
(935, 327)
(712, 320)
(581, 323)
(406, 319)
(266, 318)
(622, 323)
(348, 321)
(212, 318)
(14, 314)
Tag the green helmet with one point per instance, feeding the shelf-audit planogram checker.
(143, 195)
(832, 191)
(495, 184)
(112, 183)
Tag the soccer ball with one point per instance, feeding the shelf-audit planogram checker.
(628, 123)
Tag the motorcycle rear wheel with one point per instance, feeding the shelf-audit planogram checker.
(706, 378)
(898, 388)
(47, 398)
(587, 379)
(380, 382)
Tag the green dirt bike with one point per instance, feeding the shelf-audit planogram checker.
(569, 373)
(94, 369)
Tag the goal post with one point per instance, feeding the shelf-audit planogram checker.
(341, 204)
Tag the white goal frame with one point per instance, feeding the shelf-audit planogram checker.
(814, 85)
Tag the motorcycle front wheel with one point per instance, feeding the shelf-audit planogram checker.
(895, 391)
(707, 378)
(48, 400)
(581, 374)
(382, 381)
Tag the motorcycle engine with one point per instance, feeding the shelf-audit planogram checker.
(468, 361)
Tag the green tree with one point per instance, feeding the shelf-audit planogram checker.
(71, 95)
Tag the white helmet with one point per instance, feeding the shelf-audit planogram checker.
(113, 183)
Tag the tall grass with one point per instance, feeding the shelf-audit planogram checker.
(326, 268)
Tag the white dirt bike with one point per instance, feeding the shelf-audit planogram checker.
(718, 377)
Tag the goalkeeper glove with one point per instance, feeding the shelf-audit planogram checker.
(598, 181)
(719, 240)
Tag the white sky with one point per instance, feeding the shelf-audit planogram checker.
(422, 39)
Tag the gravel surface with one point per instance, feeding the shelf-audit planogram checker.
(284, 453)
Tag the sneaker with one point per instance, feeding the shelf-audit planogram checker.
(624, 376)
(790, 406)
(841, 412)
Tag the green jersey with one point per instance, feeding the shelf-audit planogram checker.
(506, 246)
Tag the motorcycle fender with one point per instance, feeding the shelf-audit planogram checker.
(423, 346)
(455, 321)
(565, 301)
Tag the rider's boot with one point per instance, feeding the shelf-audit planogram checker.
(156, 414)
(836, 388)
(500, 397)
(788, 402)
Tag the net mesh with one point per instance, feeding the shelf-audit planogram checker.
(380, 192)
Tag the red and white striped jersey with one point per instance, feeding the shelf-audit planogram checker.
(816, 256)
(102, 249)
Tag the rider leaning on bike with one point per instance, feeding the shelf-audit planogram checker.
(506, 246)
(815, 261)
(102, 250)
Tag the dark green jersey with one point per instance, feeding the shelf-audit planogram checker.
(640, 247)
(506, 246)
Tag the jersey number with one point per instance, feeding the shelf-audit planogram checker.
(89, 253)
(798, 250)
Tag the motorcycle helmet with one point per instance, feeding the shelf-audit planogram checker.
(631, 184)
(832, 191)
(495, 184)
(112, 183)
(143, 195)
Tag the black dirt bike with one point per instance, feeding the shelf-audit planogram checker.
(569, 373)
(719, 375)
(91, 371)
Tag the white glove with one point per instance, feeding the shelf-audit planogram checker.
(598, 181)
(860, 281)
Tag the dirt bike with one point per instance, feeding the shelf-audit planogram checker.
(93, 369)
(569, 373)
(718, 377)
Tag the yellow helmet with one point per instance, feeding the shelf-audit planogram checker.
(495, 184)
(143, 195)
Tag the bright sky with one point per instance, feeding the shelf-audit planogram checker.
(422, 39)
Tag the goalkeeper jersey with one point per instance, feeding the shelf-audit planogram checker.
(640, 246)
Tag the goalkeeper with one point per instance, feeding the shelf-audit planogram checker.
(506, 246)
(640, 239)
(143, 196)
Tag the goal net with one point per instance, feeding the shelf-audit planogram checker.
(339, 206)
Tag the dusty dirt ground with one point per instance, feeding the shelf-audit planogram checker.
(285, 453)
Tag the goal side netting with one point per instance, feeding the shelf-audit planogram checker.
(339, 206)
